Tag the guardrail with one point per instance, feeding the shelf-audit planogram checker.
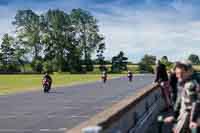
(131, 115)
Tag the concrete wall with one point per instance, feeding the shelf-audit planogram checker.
(131, 115)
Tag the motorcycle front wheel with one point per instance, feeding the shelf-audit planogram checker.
(46, 89)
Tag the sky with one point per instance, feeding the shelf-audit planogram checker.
(137, 27)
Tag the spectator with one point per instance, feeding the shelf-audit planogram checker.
(162, 80)
(161, 73)
(173, 84)
(185, 109)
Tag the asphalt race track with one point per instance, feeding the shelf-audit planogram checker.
(63, 108)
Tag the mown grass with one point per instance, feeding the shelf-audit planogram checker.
(22, 83)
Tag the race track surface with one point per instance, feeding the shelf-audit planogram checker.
(63, 108)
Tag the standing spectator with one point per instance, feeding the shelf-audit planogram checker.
(162, 80)
(196, 76)
(161, 73)
(186, 108)
(173, 84)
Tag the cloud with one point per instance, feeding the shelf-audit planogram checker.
(146, 30)
(137, 27)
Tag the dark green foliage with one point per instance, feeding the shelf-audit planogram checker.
(28, 31)
(145, 68)
(37, 65)
(8, 58)
(194, 59)
(146, 63)
(47, 67)
(149, 59)
(55, 37)
(100, 57)
(53, 41)
(119, 62)
(87, 34)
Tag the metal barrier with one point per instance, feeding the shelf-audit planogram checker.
(131, 115)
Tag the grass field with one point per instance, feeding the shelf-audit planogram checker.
(21, 83)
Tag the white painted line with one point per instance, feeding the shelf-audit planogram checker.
(15, 130)
(62, 129)
(8, 117)
(45, 130)
(71, 107)
(79, 116)
(51, 116)
(53, 130)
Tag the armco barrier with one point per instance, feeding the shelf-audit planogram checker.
(131, 115)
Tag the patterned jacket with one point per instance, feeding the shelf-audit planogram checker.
(188, 99)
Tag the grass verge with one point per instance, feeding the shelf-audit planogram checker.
(22, 83)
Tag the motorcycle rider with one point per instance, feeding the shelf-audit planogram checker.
(48, 77)
(130, 76)
(104, 76)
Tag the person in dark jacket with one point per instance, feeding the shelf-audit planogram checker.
(196, 76)
(161, 73)
(162, 79)
(173, 84)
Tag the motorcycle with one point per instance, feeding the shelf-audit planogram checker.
(104, 77)
(130, 77)
(46, 85)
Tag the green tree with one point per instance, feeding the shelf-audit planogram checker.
(47, 67)
(100, 56)
(74, 59)
(21, 54)
(1, 62)
(149, 59)
(145, 68)
(146, 63)
(56, 28)
(119, 62)
(63, 40)
(28, 31)
(87, 34)
(194, 59)
(37, 65)
(8, 58)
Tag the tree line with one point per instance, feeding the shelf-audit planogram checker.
(56, 41)
(148, 61)
(52, 41)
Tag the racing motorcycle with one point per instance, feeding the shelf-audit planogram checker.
(46, 85)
